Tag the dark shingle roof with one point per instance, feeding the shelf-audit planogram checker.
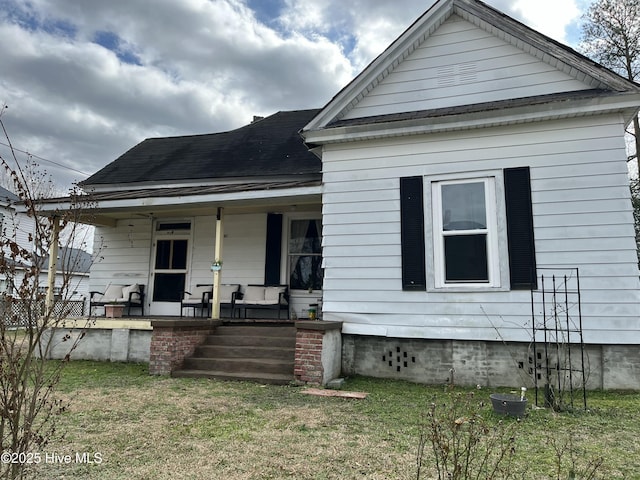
(267, 147)
(71, 260)
(7, 196)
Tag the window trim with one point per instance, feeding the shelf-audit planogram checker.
(494, 256)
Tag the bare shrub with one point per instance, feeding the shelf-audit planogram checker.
(465, 443)
(28, 311)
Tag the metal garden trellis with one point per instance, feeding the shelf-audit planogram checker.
(557, 333)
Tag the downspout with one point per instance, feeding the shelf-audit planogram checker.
(53, 265)
(217, 272)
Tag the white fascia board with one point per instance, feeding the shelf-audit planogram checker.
(627, 104)
(186, 200)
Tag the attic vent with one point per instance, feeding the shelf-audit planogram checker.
(451, 75)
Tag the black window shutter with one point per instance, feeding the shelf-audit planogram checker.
(522, 253)
(273, 250)
(412, 234)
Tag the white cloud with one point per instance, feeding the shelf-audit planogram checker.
(365, 27)
(550, 17)
(200, 65)
(204, 66)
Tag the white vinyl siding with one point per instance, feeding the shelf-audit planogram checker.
(121, 254)
(244, 250)
(582, 218)
(203, 231)
(461, 64)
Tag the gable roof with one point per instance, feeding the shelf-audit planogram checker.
(267, 147)
(71, 260)
(599, 82)
(8, 197)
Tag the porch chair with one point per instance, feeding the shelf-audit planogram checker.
(228, 295)
(131, 296)
(197, 297)
(260, 297)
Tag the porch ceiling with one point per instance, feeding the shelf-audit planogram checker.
(106, 207)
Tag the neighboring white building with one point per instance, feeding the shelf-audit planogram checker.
(74, 263)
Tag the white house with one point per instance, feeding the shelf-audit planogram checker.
(13, 226)
(473, 156)
(471, 159)
(16, 226)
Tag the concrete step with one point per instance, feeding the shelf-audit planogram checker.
(250, 340)
(245, 351)
(272, 330)
(267, 378)
(260, 353)
(240, 365)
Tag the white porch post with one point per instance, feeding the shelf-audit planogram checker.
(53, 264)
(215, 303)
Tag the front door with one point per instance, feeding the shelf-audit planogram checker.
(169, 272)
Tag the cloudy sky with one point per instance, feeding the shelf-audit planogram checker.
(85, 80)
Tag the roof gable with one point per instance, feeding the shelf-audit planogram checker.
(270, 147)
(461, 64)
(433, 53)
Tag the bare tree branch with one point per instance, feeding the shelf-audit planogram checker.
(29, 405)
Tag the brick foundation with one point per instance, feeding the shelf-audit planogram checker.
(318, 351)
(174, 340)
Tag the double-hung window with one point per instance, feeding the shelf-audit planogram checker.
(465, 233)
(464, 249)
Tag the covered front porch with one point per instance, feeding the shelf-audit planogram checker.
(175, 242)
(169, 241)
(196, 216)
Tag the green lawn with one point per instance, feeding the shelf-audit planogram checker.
(144, 427)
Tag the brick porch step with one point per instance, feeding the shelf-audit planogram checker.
(260, 353)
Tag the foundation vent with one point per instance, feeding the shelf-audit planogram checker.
(398, 359)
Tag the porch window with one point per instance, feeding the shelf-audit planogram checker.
(465, 237)
(171, 254)
(305, 255)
